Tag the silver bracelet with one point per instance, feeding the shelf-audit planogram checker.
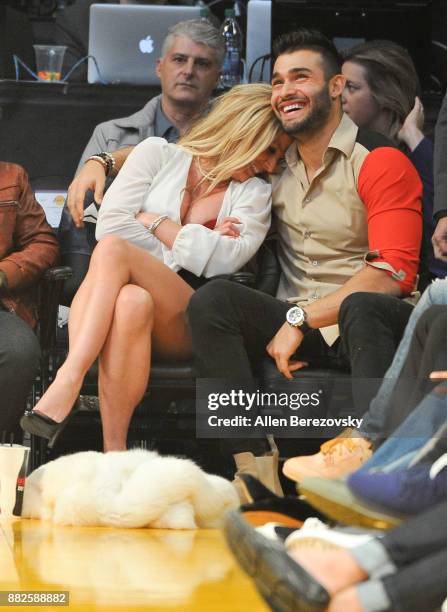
(155, 223)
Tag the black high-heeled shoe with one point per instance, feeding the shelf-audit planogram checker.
(38, 424)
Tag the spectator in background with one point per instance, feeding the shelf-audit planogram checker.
(72, 29)
(189, 70)
(27, 247)
(381, 94)
(440, 209)
(16, 38)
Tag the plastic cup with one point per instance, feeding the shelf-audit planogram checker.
(13, 460)
(49, 60)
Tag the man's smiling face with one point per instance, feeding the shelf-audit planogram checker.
(300, 94)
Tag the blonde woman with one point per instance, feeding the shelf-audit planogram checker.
(175, 216)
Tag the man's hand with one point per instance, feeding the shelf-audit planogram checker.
(439, 239)
(92, 176)
(282, 346)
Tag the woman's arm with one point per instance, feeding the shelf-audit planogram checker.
(167, 231)
(125, 197)
(207, 252)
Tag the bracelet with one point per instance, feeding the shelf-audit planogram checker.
(106, 160)
(158, 221)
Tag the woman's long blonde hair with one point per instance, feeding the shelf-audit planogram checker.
(240, 126)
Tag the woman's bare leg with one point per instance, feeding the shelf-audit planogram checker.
(114, 264)
(124, 364)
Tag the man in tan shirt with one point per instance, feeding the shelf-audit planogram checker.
(347, 210)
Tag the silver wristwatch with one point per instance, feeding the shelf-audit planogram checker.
(297, 317)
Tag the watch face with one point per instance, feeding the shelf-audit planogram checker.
(295, 316)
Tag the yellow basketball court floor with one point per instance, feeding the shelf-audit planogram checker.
(124, 570)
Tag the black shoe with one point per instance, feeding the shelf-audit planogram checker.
(284, 584)
(38, 424)
(254, 490)
(267, 507)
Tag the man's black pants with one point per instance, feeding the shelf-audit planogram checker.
(231, 326)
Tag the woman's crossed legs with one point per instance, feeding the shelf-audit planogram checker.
(129, 304)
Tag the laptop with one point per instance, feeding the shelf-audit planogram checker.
(126, 40)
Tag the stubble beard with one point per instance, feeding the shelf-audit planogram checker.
(318, 116)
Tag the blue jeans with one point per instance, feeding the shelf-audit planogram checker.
(398, 451)
(374, 420)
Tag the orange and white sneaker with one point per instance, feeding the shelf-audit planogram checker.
(337, 458)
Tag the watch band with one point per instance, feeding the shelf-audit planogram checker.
(304, 327)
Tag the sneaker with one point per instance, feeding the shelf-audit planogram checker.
(324, 539)
(337, 458)
(408, 491)
(277, 531)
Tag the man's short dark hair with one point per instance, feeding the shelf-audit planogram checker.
(310, 40)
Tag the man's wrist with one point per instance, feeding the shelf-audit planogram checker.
(106, 160)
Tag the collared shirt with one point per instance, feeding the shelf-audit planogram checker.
(363, 206)
(163, 128)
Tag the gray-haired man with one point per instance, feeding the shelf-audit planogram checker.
(189, 70)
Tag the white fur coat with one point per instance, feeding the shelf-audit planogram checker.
(136, 488)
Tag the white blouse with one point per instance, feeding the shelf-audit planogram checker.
(152, 180)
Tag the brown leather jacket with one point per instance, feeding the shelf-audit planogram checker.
(28, 245)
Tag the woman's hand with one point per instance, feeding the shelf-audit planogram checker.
(146, 218)
(228, 228)
(411, 131)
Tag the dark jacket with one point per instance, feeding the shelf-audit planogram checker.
(28, 245)
(441, 161)
(71, 29)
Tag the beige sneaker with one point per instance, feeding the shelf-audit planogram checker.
(337, 458)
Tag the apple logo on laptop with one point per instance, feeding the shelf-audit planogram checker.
(146, 45)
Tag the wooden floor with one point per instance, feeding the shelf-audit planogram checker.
(124, 569)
